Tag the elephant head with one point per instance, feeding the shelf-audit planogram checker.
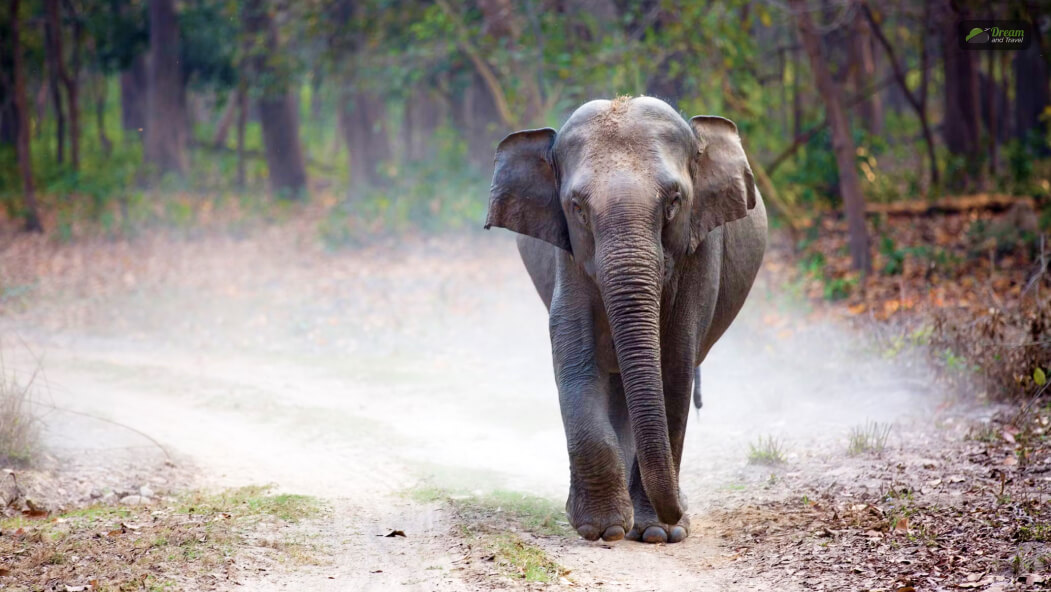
(628, 188)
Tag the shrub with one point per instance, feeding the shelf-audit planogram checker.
(18, 426)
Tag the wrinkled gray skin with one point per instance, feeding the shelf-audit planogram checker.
(643, 234)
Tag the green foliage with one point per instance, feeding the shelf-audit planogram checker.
(724, 58)
(442, 193)
(207, 49)
(120, 31)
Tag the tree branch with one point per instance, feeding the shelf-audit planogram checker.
(462, 39)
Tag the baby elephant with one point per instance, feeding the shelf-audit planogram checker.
(643, 233)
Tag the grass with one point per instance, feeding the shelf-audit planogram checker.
(18, 427)
(254, 500)
(868, 438)
(766, 451)
(534, 514)
(160, 547)
(1038, 532)
(524, 559)
(492, 523)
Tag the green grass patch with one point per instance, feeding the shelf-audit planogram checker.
(534, 514)
(767, 450)
(491, 523)
(869, 438)
(520, 558)
(254, 500)
(1038, 532)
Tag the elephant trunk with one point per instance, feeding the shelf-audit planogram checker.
(629, 275)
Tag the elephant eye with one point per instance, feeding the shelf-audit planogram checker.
(578, 211)
(671, 207)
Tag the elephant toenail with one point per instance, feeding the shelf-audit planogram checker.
(613, 533)
(589, 532)
(677, 534)
(655, 534)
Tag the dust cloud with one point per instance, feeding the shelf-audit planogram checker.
(364, 373)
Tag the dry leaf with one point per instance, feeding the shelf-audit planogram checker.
(902, 525)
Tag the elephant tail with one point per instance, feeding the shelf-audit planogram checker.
(697, 403)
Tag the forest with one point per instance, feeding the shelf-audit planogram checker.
(253, 334)
(393, 108)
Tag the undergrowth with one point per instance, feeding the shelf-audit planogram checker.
(194, 537)
(19, 430)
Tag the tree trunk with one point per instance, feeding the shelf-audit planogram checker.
(864, 70)
(39, 106)
(363, 121)
(842, 142)
(25, 161)
(165, 129)
(1031, 88)
(278, 109)
(961, 119)
(992, 110)
(797, 102)
(222, 128)
(55, 73)
(284, 156)
(55, 57)
(424, 113)
(242, 123)
(133, 97)
(477, 115)
(8, 113)
(72, 83)
(100, 116)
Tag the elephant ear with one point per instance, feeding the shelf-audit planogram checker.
(524, 194)
(723, 185)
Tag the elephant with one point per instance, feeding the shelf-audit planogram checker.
(643, 233)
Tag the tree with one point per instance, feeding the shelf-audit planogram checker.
(863, 70)
(133, 83)
(165, 129)
(362, 118)
(8, 114)
(56, 74)
(917, 101)
(962, 119)
(278, 109)
(25, 166)
(842, 142)
(1031, 86)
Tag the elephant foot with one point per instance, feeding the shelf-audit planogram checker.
(653, 531)
(608, 520)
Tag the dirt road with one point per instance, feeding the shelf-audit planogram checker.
(360, 376)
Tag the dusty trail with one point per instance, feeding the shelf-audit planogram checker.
(359, 376)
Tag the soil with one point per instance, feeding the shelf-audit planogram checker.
(364, 376)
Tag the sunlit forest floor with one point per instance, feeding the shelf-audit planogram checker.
(848, 440)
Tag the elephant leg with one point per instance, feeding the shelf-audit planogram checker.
(678, 387)
(598, 504)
